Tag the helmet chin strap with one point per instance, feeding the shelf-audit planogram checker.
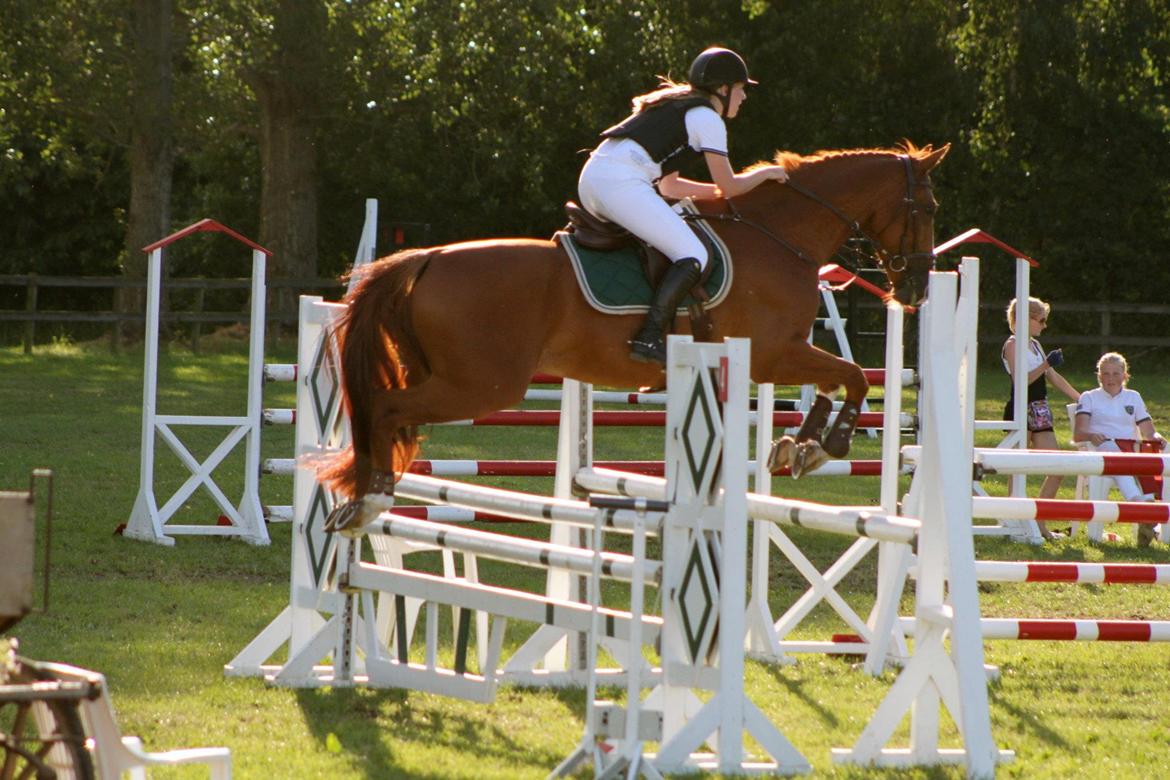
(724, 100)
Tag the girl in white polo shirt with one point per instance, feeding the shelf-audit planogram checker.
(1110, 414)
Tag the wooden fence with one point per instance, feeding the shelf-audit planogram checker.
(1106, 326)
(195, 314)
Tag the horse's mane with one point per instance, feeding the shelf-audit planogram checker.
(791, 161)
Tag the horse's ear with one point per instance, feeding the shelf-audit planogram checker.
(927, 162)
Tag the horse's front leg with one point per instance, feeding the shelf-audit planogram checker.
(801, 363)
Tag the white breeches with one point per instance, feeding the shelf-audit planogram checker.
(1128, 486)
(620, 192)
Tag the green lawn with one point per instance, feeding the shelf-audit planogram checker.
(161, 622)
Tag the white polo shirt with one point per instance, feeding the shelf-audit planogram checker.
(1113, 416)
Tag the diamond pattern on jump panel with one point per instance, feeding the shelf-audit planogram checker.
(696, 602)
(318, 543)
(698, 435)
(323, 385)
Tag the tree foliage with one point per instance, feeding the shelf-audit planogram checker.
(469, 115)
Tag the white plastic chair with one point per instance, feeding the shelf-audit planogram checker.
(1088, 488)
(1098, 488)
(114, 754)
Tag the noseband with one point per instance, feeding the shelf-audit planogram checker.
(911, 261)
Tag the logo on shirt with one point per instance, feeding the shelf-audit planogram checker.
(1129, 409)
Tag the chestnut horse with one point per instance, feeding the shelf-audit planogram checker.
(456, 332)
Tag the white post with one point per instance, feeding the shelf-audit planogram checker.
(253, 526)
(967, 329)
(704, 542)
(947, 598)
(761, 638)
(732, 585)
(893, 559)
(368, 245)
(558, 649)
(1024, 530)
(319, 425)
(144, 520)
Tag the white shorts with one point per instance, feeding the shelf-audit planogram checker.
(616, 185)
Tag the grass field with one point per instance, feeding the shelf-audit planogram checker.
(161, 622)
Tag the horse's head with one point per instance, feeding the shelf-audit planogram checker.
(875, 204)
(905, 245)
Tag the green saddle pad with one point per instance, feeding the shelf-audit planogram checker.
(613, 281)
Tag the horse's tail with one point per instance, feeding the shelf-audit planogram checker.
(376, 343)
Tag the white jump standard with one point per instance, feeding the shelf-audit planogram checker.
(150, 522)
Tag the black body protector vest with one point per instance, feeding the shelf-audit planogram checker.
(662, 131)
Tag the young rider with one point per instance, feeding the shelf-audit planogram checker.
(669, 127)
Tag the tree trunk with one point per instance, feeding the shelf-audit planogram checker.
(289, 97)
(151, 146)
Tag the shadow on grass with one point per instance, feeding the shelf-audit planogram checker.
(1028, 720)
(377, 729)
(796, 688)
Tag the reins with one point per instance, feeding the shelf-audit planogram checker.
(856, 255)
(736, 216)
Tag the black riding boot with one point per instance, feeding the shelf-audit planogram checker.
(649, 344)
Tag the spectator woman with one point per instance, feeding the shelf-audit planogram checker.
(1041, 367)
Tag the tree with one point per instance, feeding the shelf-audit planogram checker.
(151, 154)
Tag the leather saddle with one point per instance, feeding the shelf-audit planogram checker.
(592, 232)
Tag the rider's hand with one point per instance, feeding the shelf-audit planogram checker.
(778, 174)
(1055, 358)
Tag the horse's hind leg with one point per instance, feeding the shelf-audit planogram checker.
(394, 413)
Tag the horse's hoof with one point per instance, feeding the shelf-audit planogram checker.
(342, 516)
(783, 451)
(349, 518)
(809, 457)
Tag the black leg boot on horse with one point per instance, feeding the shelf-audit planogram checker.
(649, 344)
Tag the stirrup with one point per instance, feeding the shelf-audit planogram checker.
(648, 351)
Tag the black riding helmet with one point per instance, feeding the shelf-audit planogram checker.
(715, 67)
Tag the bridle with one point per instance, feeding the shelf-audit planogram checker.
(860, 248)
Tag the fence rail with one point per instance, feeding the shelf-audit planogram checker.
(1110, 317)
(32, 314)
(1101, 324)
